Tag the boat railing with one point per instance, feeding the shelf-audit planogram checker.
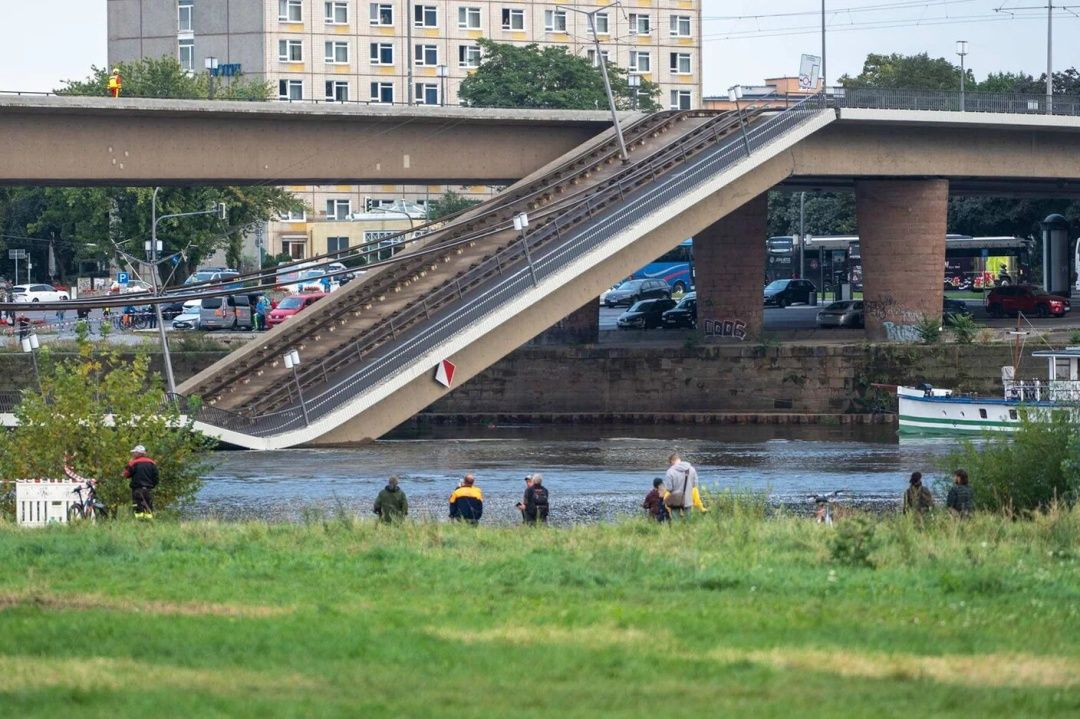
(1038, 390)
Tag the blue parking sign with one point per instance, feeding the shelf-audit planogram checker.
(122, 278)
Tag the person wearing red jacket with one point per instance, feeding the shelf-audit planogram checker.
(143, 475)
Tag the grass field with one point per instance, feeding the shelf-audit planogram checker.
(730, 615)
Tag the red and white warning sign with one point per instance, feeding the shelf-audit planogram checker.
(444, 373)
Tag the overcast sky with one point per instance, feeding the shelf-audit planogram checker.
(745, 40)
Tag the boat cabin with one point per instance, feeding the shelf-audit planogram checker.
(1062, 378)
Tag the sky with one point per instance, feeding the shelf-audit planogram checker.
(744, 41)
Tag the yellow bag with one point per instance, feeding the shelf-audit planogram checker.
(698, 504)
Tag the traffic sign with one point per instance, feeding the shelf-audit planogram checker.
(16, 254)
(122, 278)
(444, 373)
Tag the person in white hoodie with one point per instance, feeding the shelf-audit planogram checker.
(680, 482)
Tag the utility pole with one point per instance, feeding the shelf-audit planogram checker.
(824, 70)
(802, 235)
(409, 51)
(961, 50)
(1049, 7)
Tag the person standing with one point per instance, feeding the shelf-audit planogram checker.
(391, 505)
(917, 498)
(654, 502)
(525, 498)
(143, 475)
(467, 501)
(680, 482)
(262, 309)
(536, 501)
(961, 499)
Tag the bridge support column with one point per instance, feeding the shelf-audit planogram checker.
(582, 326)
(729, 266)
(902, 226)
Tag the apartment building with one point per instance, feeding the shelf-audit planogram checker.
(399, 52)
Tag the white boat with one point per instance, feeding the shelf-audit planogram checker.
(931, 410)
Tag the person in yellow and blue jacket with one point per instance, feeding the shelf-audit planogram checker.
(467, 501)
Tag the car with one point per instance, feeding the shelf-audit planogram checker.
(225, 276)
(631, 292)
(291, 305)
(223, 313)
(683, 314)
(645, 314)
(186, 321)
(954, 308)
(1026, 299)
(313, 280)
(845, 313)
(781, 293)
(37, 293)
(130, 286)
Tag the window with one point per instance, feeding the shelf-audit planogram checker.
(337, 244)
(591, 55)
(290, 10)
(371, 204)
(382, 92)
(427, 93)
(640, 61)
(639, 24)
(337, 52)
(338, 209)
(382, 53)
(680, 99)
(187, 55)
(337, 90)
(425, 16)
(680, 63)
(290, 89)
(293, 216)
(382, 14)
(600, 23)
(183, 11)
(427, 55)
(337, 12)
(468, 56)
(468, 18)
(290, 51)
(680, 26)
(513, 19)
(294, 246)
(554, 21)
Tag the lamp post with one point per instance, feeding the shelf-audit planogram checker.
(961, 50)
(30, 346)
(442, 71)
(211, 71)
(824, 73)
(591, 15)
(521, 221)
(735, 94)
(292, 361)
(634, 81)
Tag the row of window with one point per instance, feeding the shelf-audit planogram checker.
(336, 12)
(341, 209)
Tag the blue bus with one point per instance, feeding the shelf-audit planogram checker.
(676, 267)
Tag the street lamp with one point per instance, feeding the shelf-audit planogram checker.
(591, 14)
(634, 81)
(521, 221)
(961, 50)
(211, 71)
(30, 345)
(442, 71)
(735, 93)
(292, 361)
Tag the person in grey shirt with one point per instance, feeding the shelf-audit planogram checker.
(680, 481)
(960, 499)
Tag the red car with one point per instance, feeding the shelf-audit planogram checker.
(291, 305)
(1029, 299)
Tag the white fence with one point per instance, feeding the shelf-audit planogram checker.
(39, 502)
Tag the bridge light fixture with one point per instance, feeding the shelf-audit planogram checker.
(961, 50)
(735, 94)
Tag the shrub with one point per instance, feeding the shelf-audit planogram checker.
(929, 329)
(854, 542)
(964, 328)
(1074, 337)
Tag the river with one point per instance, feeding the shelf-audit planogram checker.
(592, 473)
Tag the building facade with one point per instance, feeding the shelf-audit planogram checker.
(398, 52)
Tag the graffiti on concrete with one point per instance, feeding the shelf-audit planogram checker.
(733, 329)
(901, 333)
(888, 308)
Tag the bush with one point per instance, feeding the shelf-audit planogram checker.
(964, 328)
(854, 542)
(1030, 470)
(929, 329)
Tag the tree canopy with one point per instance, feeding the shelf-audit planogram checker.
(551, 77)
(450, 203)
(164, 78)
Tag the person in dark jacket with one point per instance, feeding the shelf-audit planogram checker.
(391, 505)
(143, 475)
(961, 499)
(536, 501)
(917, 498)
(654, 502)
(525, 498)
(467, 501)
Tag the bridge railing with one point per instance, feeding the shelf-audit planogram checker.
(559, 242)
(952, 101)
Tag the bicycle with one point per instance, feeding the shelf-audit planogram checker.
(88, 508)
(823, 513)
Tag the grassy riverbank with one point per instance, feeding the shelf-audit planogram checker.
(732, 615)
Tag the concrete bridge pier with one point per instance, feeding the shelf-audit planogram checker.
(582, 326)
(902, 226)
(729, 266)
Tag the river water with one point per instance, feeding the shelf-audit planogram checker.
(592, 473)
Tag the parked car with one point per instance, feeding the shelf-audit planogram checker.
(633, 291)
(291, 305)
(188, 317)
(37, 293)
(846, 313)
(223, 275)
(131, 286)
(954, 308)
(782, 293)
(228, 312)
(1029, 299)
(645, 314)
(683, 314)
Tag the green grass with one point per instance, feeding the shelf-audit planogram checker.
(730, 615)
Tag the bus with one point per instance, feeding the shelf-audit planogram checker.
(676, 267)
(827, 261)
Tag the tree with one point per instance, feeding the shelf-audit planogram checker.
(907, 71)
(527, 76)
(164, 78)
(825, 213)
(93, 409)
(449, 204)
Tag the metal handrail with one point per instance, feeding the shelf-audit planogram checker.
(954, 101)
(409, 347)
